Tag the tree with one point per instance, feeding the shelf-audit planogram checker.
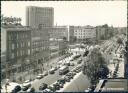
(119, 41)
(95, 65)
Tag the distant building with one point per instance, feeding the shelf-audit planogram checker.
(100, 33)
(36, 16)
(15, 48)
(59, 32)
(104, 32)
(82, 32)
(71, 36)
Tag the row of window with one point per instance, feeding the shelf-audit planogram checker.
(15, 36)
(85, 36)
(19, 45)
(20, 53)
(40, 49)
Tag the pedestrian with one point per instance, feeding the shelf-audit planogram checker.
(6, 87)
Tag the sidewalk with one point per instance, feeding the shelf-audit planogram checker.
(121, 70)
(29, 74)
(111, 69)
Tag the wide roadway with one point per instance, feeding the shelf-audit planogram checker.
(50, 78)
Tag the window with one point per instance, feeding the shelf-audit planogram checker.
(9, 37)
(12, 55)
(22, 44)
(21, 52)
(17, 53)
(12, 46)
(28, 43)
(17, 45)
(17, 36)
(28, 51)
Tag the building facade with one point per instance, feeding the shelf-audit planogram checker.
(40, 46)
(54, 48)
(82, 32)
(16, 49)
(59, 32)
(36, 16)
(100, 33)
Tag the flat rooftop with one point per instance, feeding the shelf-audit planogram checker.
(112, 85)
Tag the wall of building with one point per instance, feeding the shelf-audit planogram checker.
(40, 44)
(59, 32)
(16, 42)
(82, 32)
(3, 40)
(39, 15)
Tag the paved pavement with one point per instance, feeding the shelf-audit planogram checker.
(51, 78)
(78, 84)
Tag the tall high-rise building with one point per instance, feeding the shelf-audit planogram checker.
(39, 16)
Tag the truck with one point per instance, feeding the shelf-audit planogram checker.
(63, 70)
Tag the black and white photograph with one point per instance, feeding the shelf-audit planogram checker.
(64, 46)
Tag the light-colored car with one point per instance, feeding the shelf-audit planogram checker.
(39, 76)
(27, 81)
(45, 73)
(26, 85)
(52, 71)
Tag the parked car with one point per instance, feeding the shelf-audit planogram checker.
(61, 85)
(67, 79)
(45, 73)
(56, 86)
(67, 63)
(72, 59)
(16, 89)
(51, 88)
(62, 80)
(79, 61)
(25, 88)
(31, 90)
(52, 71)
(47, 90)
(73, 72)
(27, 83)
(70, 75)
(39, 76)
(43, 86)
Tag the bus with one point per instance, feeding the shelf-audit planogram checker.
(63, 70)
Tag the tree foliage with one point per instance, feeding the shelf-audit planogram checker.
(119, 41)
(93, 64)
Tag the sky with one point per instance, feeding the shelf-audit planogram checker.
(74, 12)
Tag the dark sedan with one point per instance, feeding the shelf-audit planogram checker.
(43, 86)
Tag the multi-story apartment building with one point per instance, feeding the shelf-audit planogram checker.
(36, 16)
(59, 32)
(40, 45)
(15, 48)
(82, 32)
(104, 32)
(57, 35)
(100, 33)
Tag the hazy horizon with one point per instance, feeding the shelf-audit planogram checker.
(77, 13)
